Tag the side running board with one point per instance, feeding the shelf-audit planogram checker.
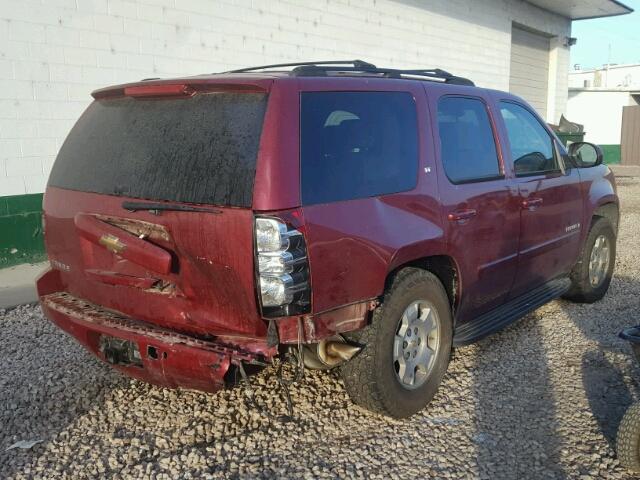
(500, 317)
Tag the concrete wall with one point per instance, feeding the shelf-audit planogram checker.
(54, 52)
(600, 112)
(558, 78)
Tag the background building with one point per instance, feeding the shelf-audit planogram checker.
(54, 52)
(609, 76)
(597, 99)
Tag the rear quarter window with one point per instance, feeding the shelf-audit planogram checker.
(357, 145)
(201, 149)
(467, 145)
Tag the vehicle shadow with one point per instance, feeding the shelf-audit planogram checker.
(607, 392)
(515, 416)
(610, 372)
(522, 429)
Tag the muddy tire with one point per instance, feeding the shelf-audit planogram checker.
(406, 347)
(628, 439)
(591, 275)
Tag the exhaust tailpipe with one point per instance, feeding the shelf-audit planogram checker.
(329, 353)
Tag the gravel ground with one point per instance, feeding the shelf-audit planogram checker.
(540, 400)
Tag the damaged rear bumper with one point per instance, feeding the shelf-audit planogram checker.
(163, 357)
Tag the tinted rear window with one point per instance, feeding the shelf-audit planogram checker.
(357, 145)
(202, 149)
(467, 147)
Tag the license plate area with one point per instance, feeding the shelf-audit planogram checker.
(119, 351)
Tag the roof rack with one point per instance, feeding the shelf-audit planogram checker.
(315, 69)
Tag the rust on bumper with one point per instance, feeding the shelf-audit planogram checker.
(176, 360)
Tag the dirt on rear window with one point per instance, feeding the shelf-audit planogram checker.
(201, 149)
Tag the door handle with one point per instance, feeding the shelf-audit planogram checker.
(531, 203)
(462, 215)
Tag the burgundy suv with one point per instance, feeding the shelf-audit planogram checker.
(336, 213)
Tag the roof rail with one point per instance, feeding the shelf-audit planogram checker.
(353, 63)
(315, 69)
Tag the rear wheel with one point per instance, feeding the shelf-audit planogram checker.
(406, 347)
(592, 273)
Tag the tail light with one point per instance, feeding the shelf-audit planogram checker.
(282, 268)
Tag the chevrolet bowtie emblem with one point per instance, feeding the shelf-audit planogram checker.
(112, 243)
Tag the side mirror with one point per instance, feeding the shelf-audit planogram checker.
(585, 154)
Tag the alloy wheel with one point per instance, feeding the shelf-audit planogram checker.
(416, 344)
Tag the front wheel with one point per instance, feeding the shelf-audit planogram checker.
(592, 273)
(406, 347)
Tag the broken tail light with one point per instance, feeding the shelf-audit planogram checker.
(282, 268)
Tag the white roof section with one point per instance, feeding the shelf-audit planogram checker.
(583, 9)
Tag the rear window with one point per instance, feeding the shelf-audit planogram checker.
(201, 149)
(357, 145)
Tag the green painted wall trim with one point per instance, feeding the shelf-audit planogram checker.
(21, 230)
(611, 153)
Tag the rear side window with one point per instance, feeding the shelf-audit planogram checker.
(357, 145)
(467, 145)
(201, 149)
(531, 145)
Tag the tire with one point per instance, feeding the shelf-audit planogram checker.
(582, 290)
(628, 439)
(371, 377)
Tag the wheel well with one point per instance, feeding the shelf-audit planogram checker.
(610, 212)
(442, 267)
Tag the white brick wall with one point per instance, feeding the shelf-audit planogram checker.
(54, 52)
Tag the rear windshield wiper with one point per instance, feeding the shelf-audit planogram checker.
(158, 207)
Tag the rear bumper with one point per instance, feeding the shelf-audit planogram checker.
(176, 360)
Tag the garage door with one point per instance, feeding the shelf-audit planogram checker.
(530, 68)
